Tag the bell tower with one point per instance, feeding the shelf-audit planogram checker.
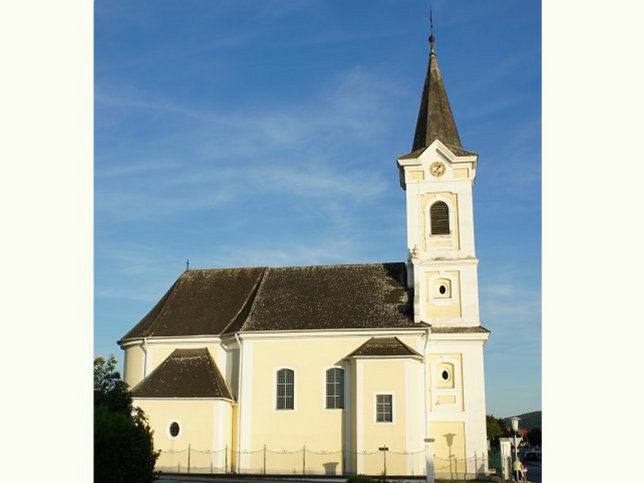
(438, 175)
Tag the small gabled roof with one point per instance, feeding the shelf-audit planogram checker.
(185, 373)
(384, 347)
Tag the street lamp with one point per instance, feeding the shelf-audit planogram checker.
(515, 429)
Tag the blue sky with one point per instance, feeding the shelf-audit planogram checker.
(246, 133)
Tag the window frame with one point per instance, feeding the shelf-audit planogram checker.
(170, 423)
(326, 389)
(452, 204)
(375, 407)
(275, 390)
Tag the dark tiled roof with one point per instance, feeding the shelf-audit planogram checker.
(435, 118)
(383, 347)
(331, 297)
(459, 330)
(201, 302)
(185, 373)
(212, 302)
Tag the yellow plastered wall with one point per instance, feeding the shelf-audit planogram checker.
(439, 241)
(310, 424)
(133, 366)
(388, 377)
(460, 173)
(204, 425)
(383, 377)
(449, 447)
(440, 307)
(415, 175)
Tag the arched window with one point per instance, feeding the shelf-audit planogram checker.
(285, 389)
(335, 388)
(439, 214)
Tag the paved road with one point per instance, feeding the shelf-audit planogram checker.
(223, 479)
(534, 471)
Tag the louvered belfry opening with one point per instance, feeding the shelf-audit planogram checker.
(439, 213)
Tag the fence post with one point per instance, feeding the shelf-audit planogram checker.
(304, 460)
(264, 468)
(188, 457)
(226, 460)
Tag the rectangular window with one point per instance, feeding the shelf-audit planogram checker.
(384, 408)
(285, 389)
(335, 388)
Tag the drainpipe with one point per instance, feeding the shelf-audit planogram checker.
(425, 380)
(239, 394)
(144, 346)
(429, 442)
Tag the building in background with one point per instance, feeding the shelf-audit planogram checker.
(318, 369)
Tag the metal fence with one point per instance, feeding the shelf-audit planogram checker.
(310, 462)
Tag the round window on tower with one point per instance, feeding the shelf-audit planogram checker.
(445, 375)
(442, 288)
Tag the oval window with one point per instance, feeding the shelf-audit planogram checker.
(442, 289)
(445, 375)
(174, 429)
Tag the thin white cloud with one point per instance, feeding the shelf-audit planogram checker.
(223, 164)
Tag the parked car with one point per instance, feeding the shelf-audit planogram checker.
(532, 454)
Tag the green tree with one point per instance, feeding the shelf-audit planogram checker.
(494, 427)
(123, 449)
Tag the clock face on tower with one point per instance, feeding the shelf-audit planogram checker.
(437, 169)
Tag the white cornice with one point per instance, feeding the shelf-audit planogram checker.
(313, 333)
(275, 334)
(446, 261)
(184, 339)
(224, 399)
(460, 336)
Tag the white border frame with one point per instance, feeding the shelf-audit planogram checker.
(455, 297)
(167, 429)
(428, 220)
(457, 389)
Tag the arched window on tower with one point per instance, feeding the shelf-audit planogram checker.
(439, 214)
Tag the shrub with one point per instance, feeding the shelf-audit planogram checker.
(123, 449)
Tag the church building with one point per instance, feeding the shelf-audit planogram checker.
(331, 369)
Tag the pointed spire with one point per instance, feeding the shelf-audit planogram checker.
(435, 119)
